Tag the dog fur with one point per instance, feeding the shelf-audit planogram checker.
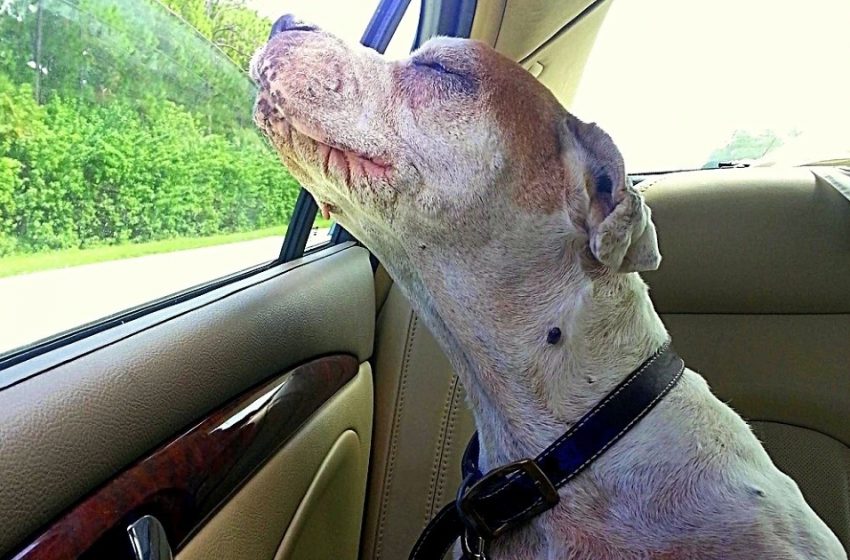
(502, 216)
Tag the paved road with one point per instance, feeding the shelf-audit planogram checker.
(38, 305)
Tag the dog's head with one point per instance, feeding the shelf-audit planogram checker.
(453, 143)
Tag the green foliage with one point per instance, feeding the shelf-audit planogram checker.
(119, 123)
(747, 145)
(228, 24)
(9, 184)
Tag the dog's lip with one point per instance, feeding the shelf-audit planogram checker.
(352, 167)
(320, 138)
(335, 158)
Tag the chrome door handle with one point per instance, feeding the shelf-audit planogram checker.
(148, 538)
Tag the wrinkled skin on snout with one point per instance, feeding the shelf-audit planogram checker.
(425, 135)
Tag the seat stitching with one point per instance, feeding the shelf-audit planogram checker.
(445, 451)
(450, 439)
(436, 464)
(399, 405)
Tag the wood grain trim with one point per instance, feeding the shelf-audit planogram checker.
(185, 481)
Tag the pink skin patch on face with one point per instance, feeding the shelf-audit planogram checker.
(343, 162)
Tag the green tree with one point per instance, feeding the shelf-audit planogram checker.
(121, 123)
(229, 24)
(744, 145)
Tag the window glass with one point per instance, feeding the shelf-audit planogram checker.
(684, 85)
(345, 19)
(130, 167)
(320, 234)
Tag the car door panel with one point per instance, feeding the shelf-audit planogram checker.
(307, 501)
(70, 427)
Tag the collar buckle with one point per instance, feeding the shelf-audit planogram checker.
(468, 498)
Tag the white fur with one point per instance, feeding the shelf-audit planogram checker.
(494, 224)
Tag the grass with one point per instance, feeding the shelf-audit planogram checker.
(22, 264)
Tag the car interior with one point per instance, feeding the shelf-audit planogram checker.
(302, 411)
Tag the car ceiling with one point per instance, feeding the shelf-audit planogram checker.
(550, 38)
(528, 24)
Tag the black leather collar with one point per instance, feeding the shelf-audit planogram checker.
(489, 505)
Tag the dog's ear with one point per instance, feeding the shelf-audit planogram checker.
(619, 223)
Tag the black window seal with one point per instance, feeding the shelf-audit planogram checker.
(299, 228)
(384, 23)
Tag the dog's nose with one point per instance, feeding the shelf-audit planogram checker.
(289, 22)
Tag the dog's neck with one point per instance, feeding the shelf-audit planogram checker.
(492, 308)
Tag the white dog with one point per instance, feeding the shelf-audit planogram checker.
(502, 217)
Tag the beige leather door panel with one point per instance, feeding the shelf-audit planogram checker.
(77, 421)
(307, 501)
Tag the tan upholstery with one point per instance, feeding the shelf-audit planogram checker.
(561, 60)
(755, 290)
(421, 428)
(528, 24)
(306, 503)
(552, 37)
(67, 430)
(488, 18)
(751, 241)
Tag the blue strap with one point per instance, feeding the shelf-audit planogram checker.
(507, 497)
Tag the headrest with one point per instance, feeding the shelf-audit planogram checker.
(756, 240)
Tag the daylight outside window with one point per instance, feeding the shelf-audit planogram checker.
(693, 84)
(130, 167)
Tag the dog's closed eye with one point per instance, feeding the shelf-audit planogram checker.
(446, 80)
(432, 65)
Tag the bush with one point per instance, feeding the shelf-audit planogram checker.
(81, 174)
(9, 183)
(136, 130)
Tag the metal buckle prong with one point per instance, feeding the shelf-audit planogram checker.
(470, 552)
